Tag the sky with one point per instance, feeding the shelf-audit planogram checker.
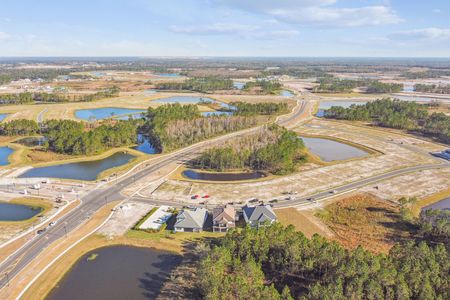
(278, 28)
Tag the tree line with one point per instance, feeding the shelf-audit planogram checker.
(30, 98)
(396, 114)
(266, 86)
(72, 137)
(263, 108)
(273, 149)
(200, 84)
(277, 262)
(335, 85)
(432, 88)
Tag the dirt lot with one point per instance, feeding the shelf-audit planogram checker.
(399, 151)
(365, 220)
(304, 221)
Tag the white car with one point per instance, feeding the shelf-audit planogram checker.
(52, 224)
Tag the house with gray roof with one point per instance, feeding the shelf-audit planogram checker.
(191, 220)
(257, 216)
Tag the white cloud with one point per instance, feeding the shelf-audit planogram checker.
(4, 36)
(436, 10)
(243, 30)
(217, 28)
(431, 33)
(316, 12)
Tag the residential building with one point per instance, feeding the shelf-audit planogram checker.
(191, 220)
(261, 215)
(224, 218)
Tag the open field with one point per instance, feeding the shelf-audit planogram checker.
(365, 220)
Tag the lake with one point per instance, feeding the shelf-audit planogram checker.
(286, 93)
(17, 212)
(106, 112)
(5, 152)
(118, 272)
(238, 85)
(191, 174)
(324, 105)
(329, 150)
(84, 170)
(3, 116)
(144, 145)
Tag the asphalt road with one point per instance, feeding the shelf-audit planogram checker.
(99, 197)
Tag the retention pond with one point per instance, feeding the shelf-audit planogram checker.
(118, 272)
(17, 212)
(329, 150)
(84, 170)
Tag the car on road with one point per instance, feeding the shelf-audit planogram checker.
(195, 197)
(52, 224)
(206, 196)
(40, 231)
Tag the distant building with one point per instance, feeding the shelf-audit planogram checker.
(191, 220)
(224, 218)
(261, 215)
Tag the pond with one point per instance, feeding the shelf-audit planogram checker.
(17, 212)
(106, 112)
(443, 204)
(3, 116)
(5, 152)
(197, 175)
(118, 272)
(417, 98)
(171, 75)
(329, 150)
(144, 145)
(238, 85)
(324, 105)
(32, 141)
(286, 93)
(84, 170)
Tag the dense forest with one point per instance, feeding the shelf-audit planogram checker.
(377, 87)
(266, 86)
(30, 98)
(173, 126)
(202, 84)
(273, 149)
(396, 114)
(19, 127)
(334, 85)
(263, 108)
(70, 137)
(278, 262)
(432, 88)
